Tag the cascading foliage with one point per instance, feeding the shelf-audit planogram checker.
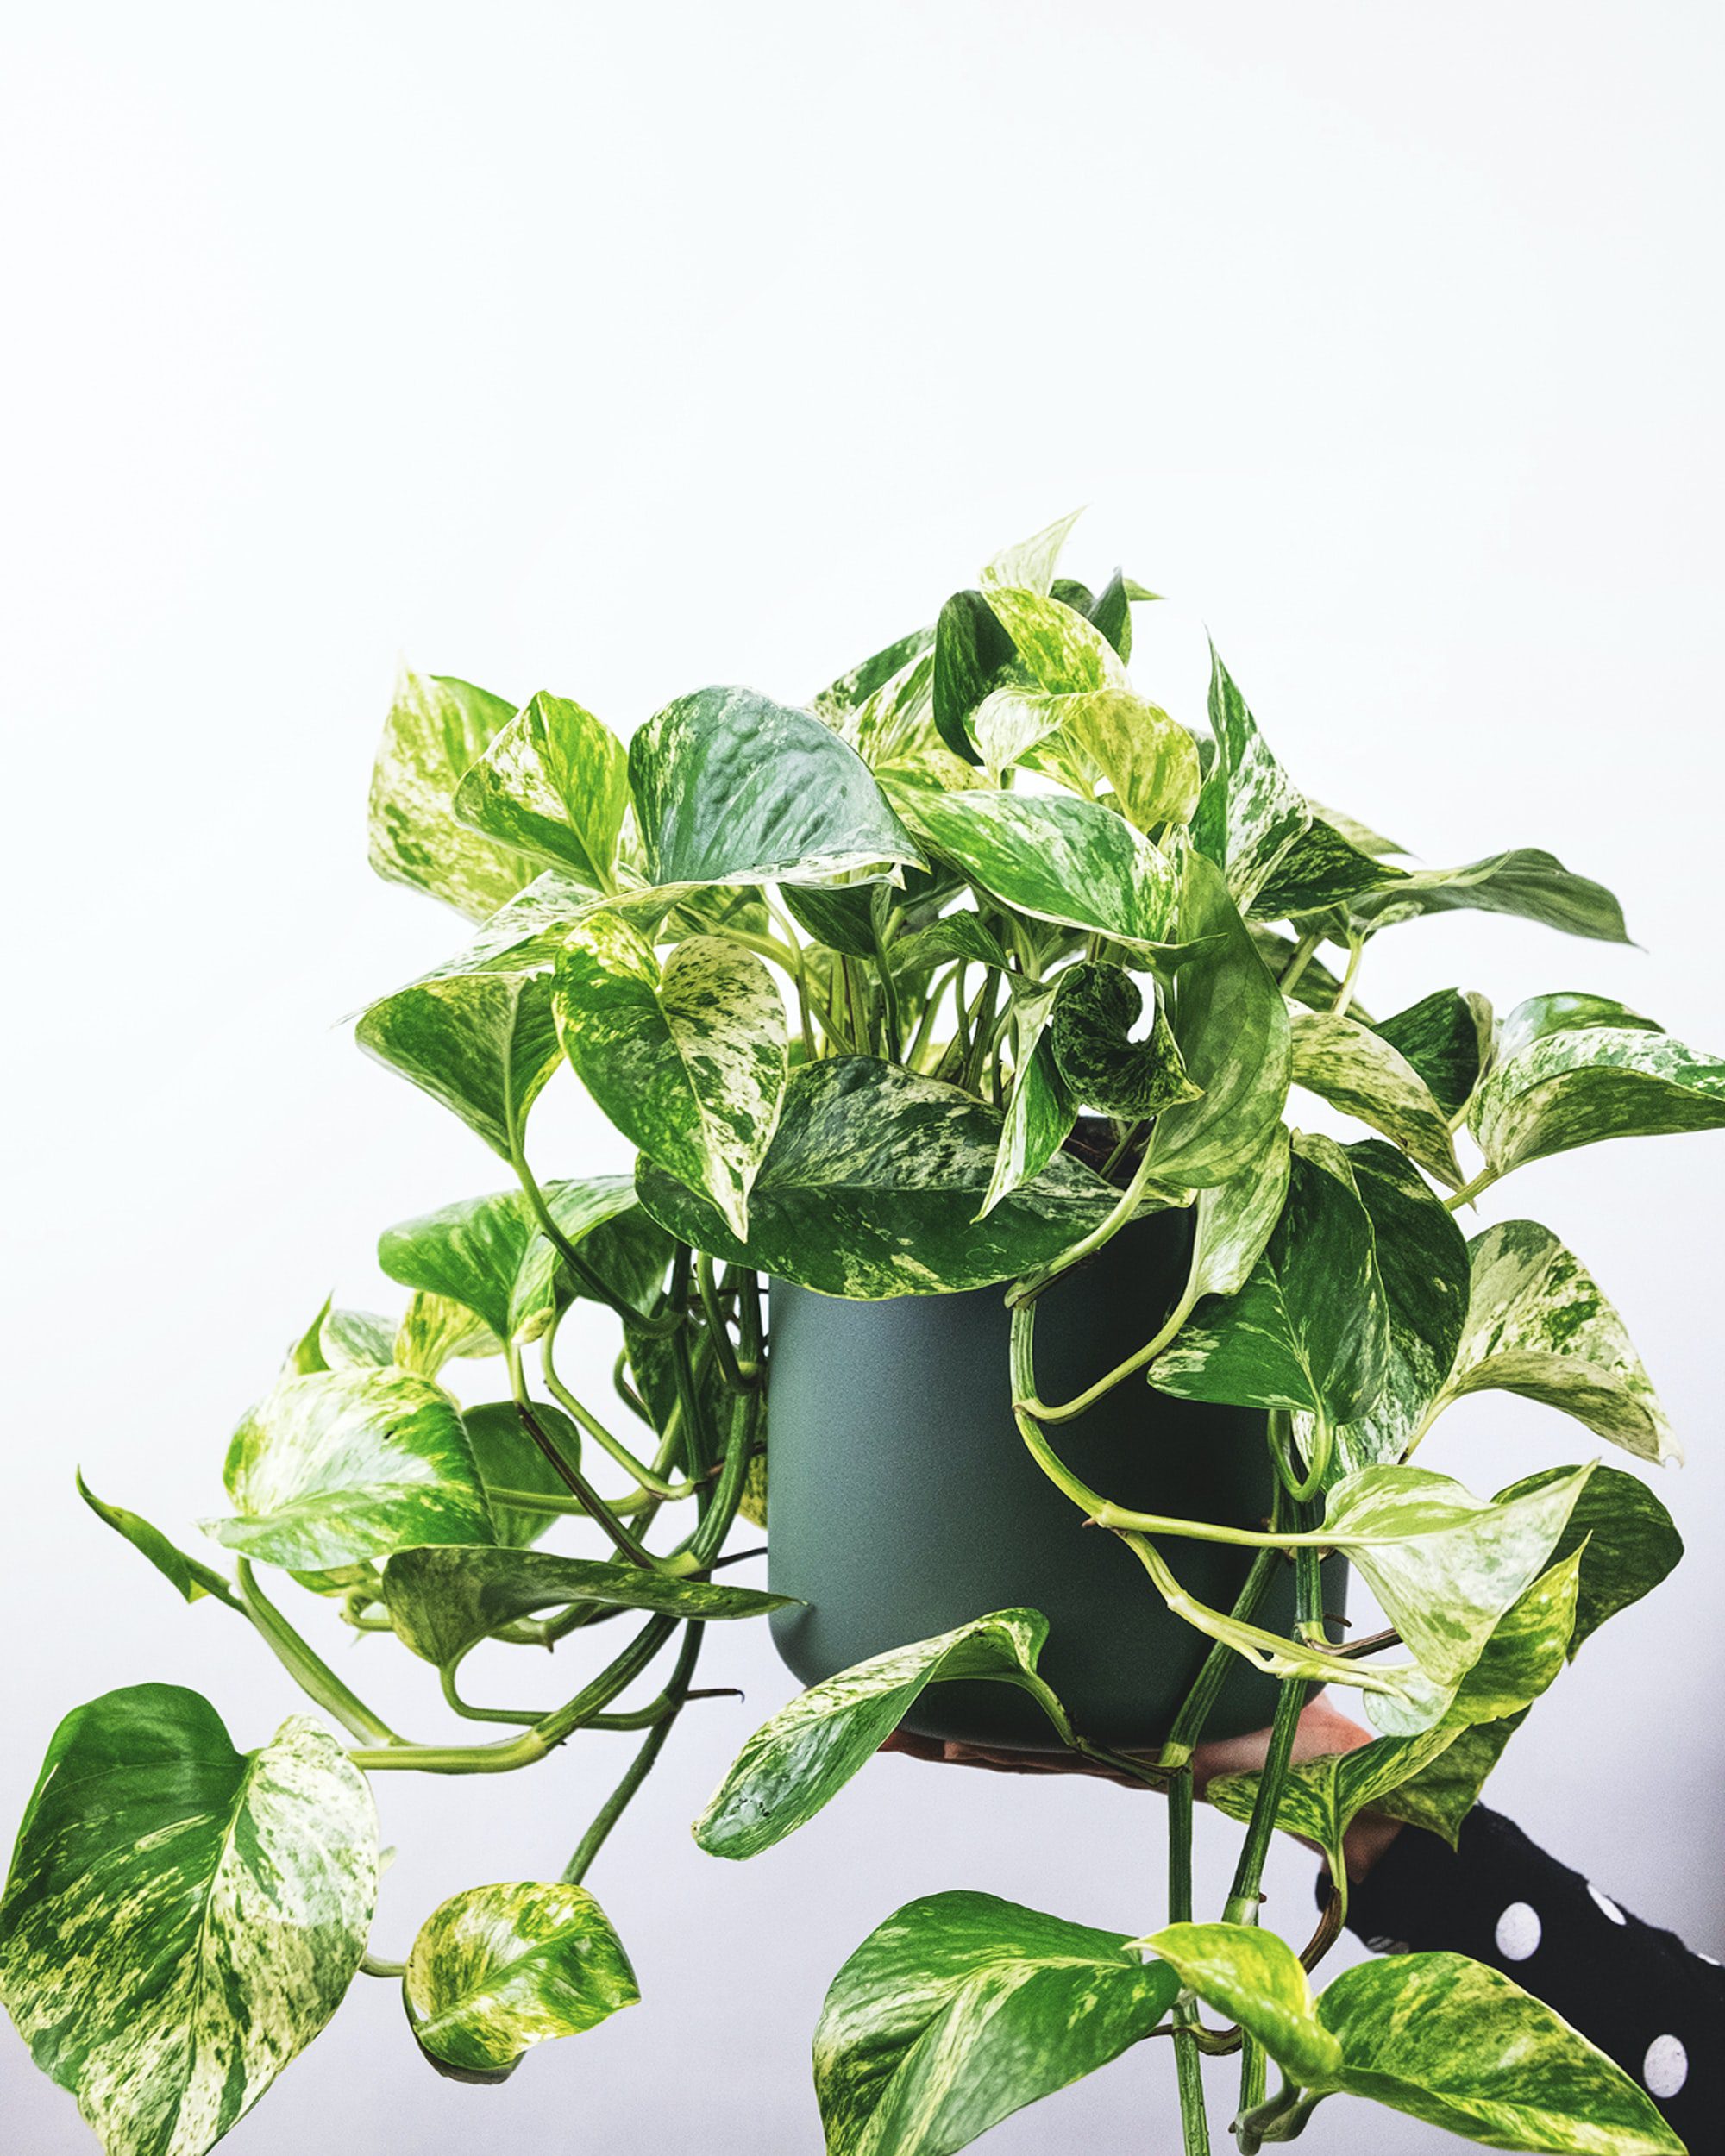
(846, 975)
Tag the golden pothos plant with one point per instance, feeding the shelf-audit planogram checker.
(846, 974)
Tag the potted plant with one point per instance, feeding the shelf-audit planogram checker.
(954, 1017)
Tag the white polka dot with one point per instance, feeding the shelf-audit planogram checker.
(1605, 1903)
(1666, 2068)
(1712, 1960)
(1519, 1931)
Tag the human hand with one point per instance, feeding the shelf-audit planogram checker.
(1323, 1729)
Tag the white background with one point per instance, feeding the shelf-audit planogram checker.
(618, 350)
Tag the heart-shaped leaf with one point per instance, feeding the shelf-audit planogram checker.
(1576, 1087)
(894, 728)
(961, 2009)
(871, 1186)
(1094, 1009)
(1538, 1325)
(444, 1602)
(436, 727)
(433, 1329)
(1030, 565)
(508, 1457)
(488, 1253)
(1457, 2044)
(191, 1579)
(1358, 1071)
(497, 1969)
(1059, 860)
(553, 783)
(731, 787)
(803, 1757)
(181, 1918)
(688, 1059)
(1526, 883)
(1256, 1979)
(346, 1464)
(1250, 813)
(1232, 1221)
(1309, 1328)
(483, 1044)
(1230, 1023)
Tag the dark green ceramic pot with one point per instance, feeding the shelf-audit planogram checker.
(902, 1500)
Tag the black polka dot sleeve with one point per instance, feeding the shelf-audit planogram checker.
(1639, 1993)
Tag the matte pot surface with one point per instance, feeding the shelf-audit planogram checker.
(902, 1501)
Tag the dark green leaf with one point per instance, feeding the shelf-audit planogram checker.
(805, 1755)
(871, 1186)
(1527, 883)
(507, 1459)
(181, 1920)
(1445, 1038)
(854, 688)
(497, 1969)
(731, 787)
(961, 2009)
(1096, 1007)
(972, 651)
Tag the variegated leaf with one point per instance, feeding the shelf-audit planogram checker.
(1055, 858)
(731, 787)
(1062, 652)
(1576, 1087)
(553, 783)
(433, 1329)
(854, 689)
(1254, 1979)
(1308, 1328)
(1094, 1009)
(1538, 1325)
(444, 1602)
(1322, 868)
(1459, 2045)
(1570, 1011)
(1148, 758)
(1250, 813)
(892, 730)
(1232, 1221)
(1229, 1024)
(181, 1920)
(688, 1059)
(1361, 1072)
(805, 1755)
(973, 655)
(1029, 566)
(1040, 1113)
(488, 1254)
(1422, 1262)
(961, 2009)
(436, 727)
(346, 1464)
(496, 1970)
(483, 1044)
(523, 936)
(1526, 884)
(871, 1186)
(190, 1578)
(1444, 1565)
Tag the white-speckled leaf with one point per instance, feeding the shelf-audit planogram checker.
(1030, 565)
(805, 1755)
(1148, 758)
(871, 1187)
(1062, 652)
(345, 1464)
(1233, 1220)
(436, 727)
(433, 1329)
(1057, 859)
(688, 1059)
(496, 1970)
(1357, 1070)
(1230, 1022)
(1538, 1325)
(182, 1920)
(1250, 813)
(1578, 1086)
(1039, 1117)
(961, 2009)
(523, 936)
(854, 688)
(444, 1601)
(731, 787)
(553, 784)
(1527, 884)
(893, 728)
(1096, 1007)
(1322, 869)
(483, 1044)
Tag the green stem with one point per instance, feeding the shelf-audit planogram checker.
(717, 1331)
(470, 1713)
(1280, 1429)
(1033, 1284)
(571, 1475)
(1188, 2061)
(1345, 991)
(309, 1671)
(676, 1691)
(1304, 952)
(392, 1971)
(1163, 1340)
(646, 1480)
(595, 1284)
(545, 1502)
(1469, 1192)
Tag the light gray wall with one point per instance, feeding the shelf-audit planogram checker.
(616, 350)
